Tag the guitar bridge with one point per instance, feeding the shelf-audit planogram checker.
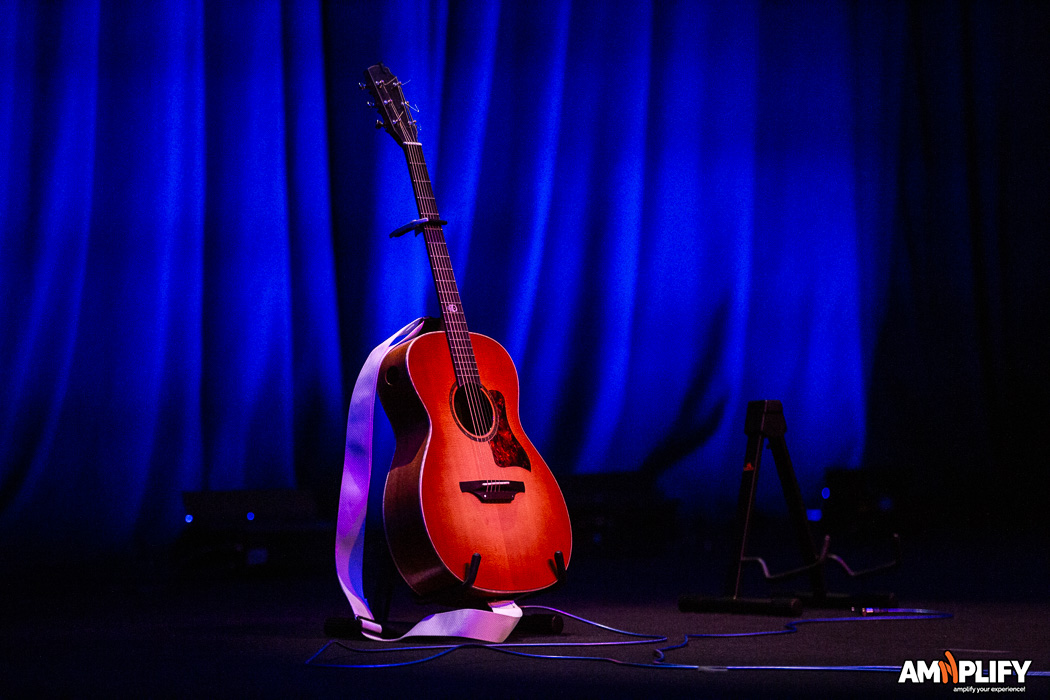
(493, 490)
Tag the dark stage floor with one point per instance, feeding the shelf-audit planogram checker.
(144, 632)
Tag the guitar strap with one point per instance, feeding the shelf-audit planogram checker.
(492, 625)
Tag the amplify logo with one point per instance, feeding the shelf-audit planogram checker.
(955, 672)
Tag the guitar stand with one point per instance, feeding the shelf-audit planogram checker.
(765, 422)
(456, 592)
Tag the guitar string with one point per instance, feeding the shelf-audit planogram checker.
(445, 292)
(460, 349)
(458, 336)
(460, 342)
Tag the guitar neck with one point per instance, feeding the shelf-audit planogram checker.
(463, 361)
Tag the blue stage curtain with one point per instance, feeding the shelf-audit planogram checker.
(663, 210)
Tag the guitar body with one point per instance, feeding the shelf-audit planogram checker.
(470, 507)
(460, 486)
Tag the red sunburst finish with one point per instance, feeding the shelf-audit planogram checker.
(433, 527)
(472, 484)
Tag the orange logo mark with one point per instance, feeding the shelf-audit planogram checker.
(949, 669)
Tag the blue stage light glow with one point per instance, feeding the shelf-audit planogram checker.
(663, 211)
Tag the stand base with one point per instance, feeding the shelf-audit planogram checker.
(350, 628)
(764, 423)
(790, 606)
(848, 601)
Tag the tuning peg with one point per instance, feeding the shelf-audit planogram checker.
(362, 86)
(370, 103)
(379, 123)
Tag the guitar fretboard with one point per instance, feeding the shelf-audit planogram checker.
(456, 332)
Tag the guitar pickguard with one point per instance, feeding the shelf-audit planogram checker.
(506, 450)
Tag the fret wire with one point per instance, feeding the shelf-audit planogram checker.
(458, 335)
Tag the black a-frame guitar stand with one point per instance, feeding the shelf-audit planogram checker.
(765, 422)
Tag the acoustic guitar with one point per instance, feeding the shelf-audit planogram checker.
(469, 506)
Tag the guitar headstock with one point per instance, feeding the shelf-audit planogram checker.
(394, 109)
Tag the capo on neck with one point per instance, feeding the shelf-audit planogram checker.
(417, 226)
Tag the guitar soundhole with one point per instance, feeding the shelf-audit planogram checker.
(473, 410)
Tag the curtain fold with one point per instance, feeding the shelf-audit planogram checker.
(662, 210)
